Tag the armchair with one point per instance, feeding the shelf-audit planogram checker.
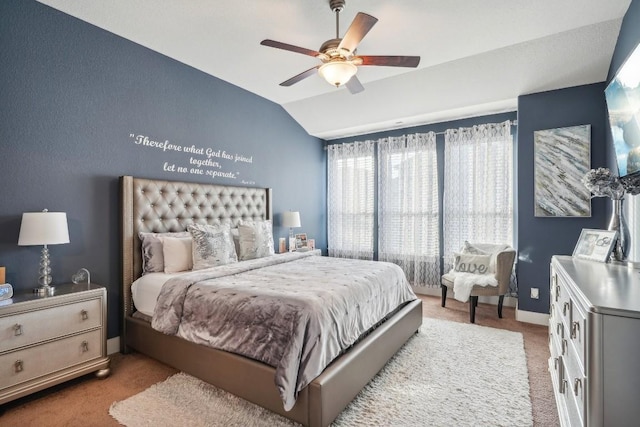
(503, 267)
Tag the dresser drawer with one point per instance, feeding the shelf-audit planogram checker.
(40, 325)
(577, 331)
(30, 363)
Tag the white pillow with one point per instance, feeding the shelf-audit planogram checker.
(471, 263)
(177, 254)
(151, 245)
(212, 245)
(256, 239)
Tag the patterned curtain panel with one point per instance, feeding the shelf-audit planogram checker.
(478, 187)
(351, 169)
(408, 212)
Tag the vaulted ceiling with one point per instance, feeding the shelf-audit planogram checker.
(477, 57)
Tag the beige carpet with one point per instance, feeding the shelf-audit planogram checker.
(433, 380)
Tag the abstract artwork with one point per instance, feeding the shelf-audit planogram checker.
(562, 157)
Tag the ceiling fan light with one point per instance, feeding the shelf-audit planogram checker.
(337, 73)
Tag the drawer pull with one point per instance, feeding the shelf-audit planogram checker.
(84, 346)
(577, 384)
(555, 283)
(18, 366)
(17, 329)
(559, 329)
(555, 363)
(575, 330)
(563, 386)
(564, 346)
(565, 308)
(84, 314)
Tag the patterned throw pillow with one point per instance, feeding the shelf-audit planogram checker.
(470, 263)
(256, 239)
(151, 244)
(212, 245)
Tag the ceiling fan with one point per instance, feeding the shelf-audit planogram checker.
(338, 56)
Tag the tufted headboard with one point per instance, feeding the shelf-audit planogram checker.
(153, 205)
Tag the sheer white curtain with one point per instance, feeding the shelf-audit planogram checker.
(350, 193)
(478, 187)
(408, 212)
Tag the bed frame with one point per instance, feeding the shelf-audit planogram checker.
(162, 206)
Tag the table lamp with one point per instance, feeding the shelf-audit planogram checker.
(44, 228)
(291, 219)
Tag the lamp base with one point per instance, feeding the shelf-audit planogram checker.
(45, 291)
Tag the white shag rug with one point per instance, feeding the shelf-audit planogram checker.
(448, 374)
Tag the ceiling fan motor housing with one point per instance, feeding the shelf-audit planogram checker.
(336, 5)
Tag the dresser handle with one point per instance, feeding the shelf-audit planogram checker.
(555, 363)
(575, 330)
(577, 384)
(564, 346)
(84, 314)
(17, 329)
(18, 366)
(555, 283)
(559, 329)
(563, 386)
(565, 308)
(85, 346)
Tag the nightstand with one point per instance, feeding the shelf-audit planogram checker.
(46, 340)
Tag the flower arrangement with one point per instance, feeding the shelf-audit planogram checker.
(601, 182)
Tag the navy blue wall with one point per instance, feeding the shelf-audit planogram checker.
(541, 238)
(72, 97)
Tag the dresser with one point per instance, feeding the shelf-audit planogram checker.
(594, 341)
(45, 340)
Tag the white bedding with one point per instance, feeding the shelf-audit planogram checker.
(146, 289)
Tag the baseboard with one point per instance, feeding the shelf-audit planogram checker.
(113, 345)
(436, 292)
(532, 317)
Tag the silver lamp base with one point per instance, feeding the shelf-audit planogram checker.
(45, 291)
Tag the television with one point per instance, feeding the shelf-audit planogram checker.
(623, 107)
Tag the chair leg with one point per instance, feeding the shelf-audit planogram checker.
(500, 301)
(444, 294)
(472, 309)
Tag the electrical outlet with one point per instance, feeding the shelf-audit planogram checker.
(535, 293)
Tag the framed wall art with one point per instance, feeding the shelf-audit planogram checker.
(562, 157)
(595, 245)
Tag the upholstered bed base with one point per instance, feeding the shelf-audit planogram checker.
(160, 206)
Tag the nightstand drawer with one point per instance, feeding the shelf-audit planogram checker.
(35, 326)
(24, 365)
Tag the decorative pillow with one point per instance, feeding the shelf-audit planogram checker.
(471, 263)
(177, 254)
(152, 257)
(256, 239)
(212, 245)
(235, 235)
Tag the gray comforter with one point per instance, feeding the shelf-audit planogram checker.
(296, 312)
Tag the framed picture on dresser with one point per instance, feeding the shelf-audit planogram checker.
(595, 245)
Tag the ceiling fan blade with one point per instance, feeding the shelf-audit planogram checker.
(301, 76)
(391, 61)
(290, 47)
(354, 85)
(359, 28)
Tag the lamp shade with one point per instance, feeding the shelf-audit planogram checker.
(291, 219)
(43, 228)
(337, 73)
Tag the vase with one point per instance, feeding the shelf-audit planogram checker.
(617, 223)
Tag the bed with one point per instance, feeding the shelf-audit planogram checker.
(164, 206)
